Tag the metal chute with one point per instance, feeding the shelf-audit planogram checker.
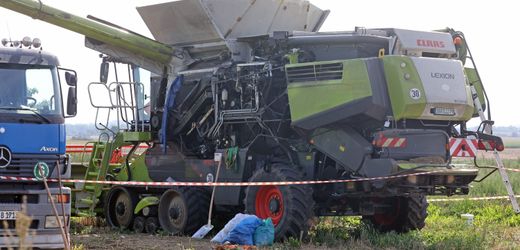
(204, 21)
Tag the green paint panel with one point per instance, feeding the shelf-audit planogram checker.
(400, 87)
(146, 202)
(137, 164)
(136, 136)
(307, 98)
(473, 79)
(138, 168)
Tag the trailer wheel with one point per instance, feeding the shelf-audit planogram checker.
(119, 207)
(183, 210)
(409, 214)
(151, 225)
(290, 207)
(138, 226)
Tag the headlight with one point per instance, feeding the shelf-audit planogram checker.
(51, 222)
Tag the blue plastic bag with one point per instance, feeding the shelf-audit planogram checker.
(243, 233)
(224, 233)
(264, 234)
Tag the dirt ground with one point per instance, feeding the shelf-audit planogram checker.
(103, 238)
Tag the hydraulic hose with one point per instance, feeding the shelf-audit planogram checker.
(127, 160)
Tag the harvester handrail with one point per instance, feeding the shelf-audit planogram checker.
(84, 151)
(119, 101)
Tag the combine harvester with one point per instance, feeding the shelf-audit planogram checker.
(282, 102)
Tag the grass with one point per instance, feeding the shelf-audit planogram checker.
(493, 185)
(495, 226)
(511, 142)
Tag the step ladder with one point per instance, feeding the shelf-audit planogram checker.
(91, 191)
(98, 168)
(498, 159)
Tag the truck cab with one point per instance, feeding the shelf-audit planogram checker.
(32, 134)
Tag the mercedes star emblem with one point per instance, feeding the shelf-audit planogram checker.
(5, 157)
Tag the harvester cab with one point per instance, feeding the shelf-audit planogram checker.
(283, 102)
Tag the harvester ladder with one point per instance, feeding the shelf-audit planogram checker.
(498, 159)
(96, 171)
(100, 163)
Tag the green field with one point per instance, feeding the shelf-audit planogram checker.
(511, 142)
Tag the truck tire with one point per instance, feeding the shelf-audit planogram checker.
(409, 214)
(183, 210)
(290, 207)
(119, 207)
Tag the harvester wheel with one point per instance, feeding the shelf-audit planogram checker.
(151, 225)
(409, 214)
(183, 210)
(290, 207)
(119, 207)
(138, 226)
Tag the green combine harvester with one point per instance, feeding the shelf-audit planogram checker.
(257, 82)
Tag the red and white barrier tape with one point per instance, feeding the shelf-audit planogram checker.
(230, 184)
(512, 169)
(472, 198)
(71, 149)
(222, 184)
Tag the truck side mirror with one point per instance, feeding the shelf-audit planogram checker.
(71, 79)
(69, 107)
(103, 72)
(72, 102)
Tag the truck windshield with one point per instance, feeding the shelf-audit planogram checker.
(30, 90)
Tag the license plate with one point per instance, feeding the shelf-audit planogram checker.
(8, 215)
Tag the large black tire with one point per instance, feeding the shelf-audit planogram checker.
(290, 207)
(183, 210)
(139, 224)
(151, 225)
(408, 214)
(119, 207)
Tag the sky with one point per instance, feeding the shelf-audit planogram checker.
(490, 29)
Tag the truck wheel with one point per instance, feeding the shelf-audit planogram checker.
(290, 207)
(409, 213)
(119, 207)
(151, 225)
(139, 224)
(183, 210)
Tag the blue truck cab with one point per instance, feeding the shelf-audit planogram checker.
(32, 133)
